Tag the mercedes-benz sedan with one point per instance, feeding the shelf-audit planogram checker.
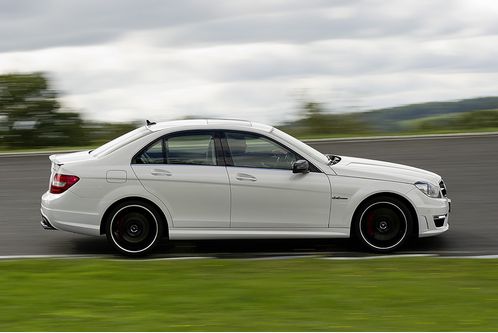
(214, 179)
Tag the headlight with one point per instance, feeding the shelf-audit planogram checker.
(430, 190)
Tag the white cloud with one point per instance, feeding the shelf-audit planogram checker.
(254, 59)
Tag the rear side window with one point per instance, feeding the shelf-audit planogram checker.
(190, 149)
(153, 155)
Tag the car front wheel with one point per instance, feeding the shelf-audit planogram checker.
(134, 228)
(383, 224)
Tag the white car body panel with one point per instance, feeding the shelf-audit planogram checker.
(269, 198)
(372, 169)
(207, 202)
(198, 195)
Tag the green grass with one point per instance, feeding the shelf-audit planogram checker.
(409, 294)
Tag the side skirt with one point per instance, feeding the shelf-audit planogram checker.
(241, 233)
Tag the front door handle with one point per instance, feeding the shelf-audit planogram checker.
(160, 172)
(245, 177)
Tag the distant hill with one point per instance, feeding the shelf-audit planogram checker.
(390, 119)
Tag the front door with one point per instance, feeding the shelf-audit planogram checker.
(264, 191)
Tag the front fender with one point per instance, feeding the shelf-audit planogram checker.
(349, 192)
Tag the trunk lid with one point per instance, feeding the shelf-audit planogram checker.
(61, 159)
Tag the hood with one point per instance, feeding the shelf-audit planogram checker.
(71, 157)
(373, 169)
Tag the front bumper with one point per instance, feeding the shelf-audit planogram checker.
(433, 214)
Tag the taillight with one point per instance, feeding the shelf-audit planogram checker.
(61, 183)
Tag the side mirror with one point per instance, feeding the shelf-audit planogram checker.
(301, 166)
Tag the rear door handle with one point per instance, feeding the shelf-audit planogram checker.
(160, 172)
(245, 177)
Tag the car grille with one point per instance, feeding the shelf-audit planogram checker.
(442, 185)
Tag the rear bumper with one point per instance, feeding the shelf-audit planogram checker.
(54, 217)
(46, 224)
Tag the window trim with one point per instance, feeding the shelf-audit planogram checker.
(220, 161)
(222, 150)
(227, 154)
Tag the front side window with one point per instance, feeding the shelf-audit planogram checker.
(256, 151)
(192, 149)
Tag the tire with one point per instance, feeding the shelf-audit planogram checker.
(383, 224)
(134, 228)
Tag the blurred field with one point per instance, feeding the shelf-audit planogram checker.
(409, 294)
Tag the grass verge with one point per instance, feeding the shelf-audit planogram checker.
(428, 294)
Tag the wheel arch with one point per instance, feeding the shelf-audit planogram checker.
(403, 199)
(133, 198)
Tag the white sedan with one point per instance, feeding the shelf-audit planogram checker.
(214, 179)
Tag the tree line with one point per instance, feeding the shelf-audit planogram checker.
(32, 116)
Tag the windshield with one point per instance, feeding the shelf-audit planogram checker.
(310, 150)
(120, 141)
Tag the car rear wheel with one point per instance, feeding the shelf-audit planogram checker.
(383, 224)
(134, 228)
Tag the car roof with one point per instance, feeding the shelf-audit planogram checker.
(208, 123)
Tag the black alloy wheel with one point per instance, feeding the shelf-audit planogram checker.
(383, 224)
(134, 228)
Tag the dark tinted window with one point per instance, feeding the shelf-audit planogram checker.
(194, 149)
(255, 151)
(153, 155)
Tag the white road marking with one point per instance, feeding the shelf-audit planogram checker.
(273, 257)
(276, 257)
(381, 256)
(162, 259)
(441, 252)
(488, 256)
(53, 256)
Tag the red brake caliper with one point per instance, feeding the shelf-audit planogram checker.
(370, 224)
(120, 226)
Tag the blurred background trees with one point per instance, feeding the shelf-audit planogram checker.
(315, 120)
(31, 116)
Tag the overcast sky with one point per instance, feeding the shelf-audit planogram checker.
(125, 60)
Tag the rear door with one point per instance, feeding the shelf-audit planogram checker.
(264, 191)
(186, 172)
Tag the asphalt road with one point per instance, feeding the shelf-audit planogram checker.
(468, 165)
